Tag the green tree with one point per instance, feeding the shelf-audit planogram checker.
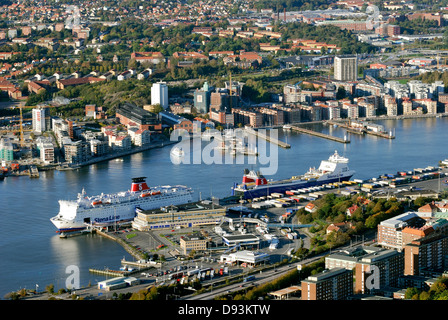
(411, 292)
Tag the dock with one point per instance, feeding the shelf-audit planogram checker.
(34, 173)
(360, 131)
(268, 138)
(108, 272)
(320, 134)
(140, 265)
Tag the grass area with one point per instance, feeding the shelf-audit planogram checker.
(131, 235)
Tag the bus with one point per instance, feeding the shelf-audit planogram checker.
(249, 278)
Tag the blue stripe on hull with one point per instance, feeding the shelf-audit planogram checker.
(257, 192)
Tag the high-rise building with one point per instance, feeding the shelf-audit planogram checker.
(39, 123)
(334, 284)
(202, 99)
(425, 254)
(159, 94)
(378, 270)
(346, 68)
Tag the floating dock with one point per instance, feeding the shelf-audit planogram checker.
(320, 134)
(268, 138)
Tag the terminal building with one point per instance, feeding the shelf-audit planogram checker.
(185, 215)
(251, 258)
(117, 283)
(193, 243)
(242, 240)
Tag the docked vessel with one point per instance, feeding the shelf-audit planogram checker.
(108, 209)
(255, 185)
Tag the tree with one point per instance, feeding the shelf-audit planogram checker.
(411, 292)
(50, 288)
(341, 93)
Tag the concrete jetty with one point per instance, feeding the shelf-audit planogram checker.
(268, 138)
(361, 131)
(320, 134)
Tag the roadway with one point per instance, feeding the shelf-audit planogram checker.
(271, 274)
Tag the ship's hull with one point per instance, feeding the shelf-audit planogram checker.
(265, 190)
(71, 217)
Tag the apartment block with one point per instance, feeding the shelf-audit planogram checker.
(390, 231)
(348, 258)
(346, 68)
(378, 271)
(335, 284)
(426, 254)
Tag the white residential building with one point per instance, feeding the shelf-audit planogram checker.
(159, 94)
(39, 124)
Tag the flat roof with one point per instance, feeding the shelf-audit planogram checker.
(193, 206)
(242, 237)
(286, 291)
(327, 274)
(400, 220)
(379, 255)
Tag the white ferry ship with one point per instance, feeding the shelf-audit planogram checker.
(108, 209)
(254, 184)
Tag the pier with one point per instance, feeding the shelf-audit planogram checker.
(34, 173)
(321, 135)
(361, 131)
(108, 272)
(268, 138)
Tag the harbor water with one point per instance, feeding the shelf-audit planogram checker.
(32, 254)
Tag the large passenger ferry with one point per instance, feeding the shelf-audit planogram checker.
(109, 209)
(255, 185)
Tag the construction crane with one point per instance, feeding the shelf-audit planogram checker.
(21, 130)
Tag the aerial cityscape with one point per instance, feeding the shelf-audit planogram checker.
(248, 150)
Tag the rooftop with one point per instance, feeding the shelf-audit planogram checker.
(193, 206)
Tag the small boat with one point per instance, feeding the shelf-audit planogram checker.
(286, 127)
(177, 152)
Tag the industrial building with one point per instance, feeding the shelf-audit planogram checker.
(132, 115)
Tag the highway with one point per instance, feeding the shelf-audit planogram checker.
(269, 275)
